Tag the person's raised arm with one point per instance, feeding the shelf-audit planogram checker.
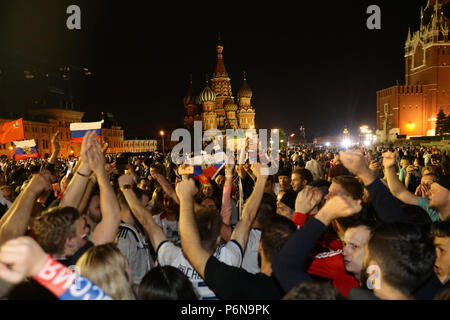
(108, 227)
(251, 207)
(395, 185)
(385, 204)
(289, 265)
(190, 238)
(55, 148)
(77, 186)
(15, 221)
(22, 258)
(154, 232)
(165, 185)
(225, 211)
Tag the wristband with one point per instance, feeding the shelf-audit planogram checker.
(83, 175)
(125, 187)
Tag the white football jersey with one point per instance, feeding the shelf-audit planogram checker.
(250, 261)
(169, 254)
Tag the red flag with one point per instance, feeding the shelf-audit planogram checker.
(12, 131)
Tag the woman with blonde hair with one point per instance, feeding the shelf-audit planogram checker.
(109, 270)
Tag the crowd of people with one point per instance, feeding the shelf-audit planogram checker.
(358, 224)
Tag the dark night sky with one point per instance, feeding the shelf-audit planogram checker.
(315, 64)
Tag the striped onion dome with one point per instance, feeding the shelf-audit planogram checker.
(207, 94)
(245, 91)
(229, 105)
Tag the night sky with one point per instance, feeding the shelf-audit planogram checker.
(314, 64)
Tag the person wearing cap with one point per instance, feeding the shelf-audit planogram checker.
(284, 179)
(437, 204)
(286, 206)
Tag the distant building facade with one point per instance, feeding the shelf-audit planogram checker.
(411, 109)
(49, 121)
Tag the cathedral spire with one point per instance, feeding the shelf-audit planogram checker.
(220, 70)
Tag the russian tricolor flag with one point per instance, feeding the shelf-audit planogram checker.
(26, 149)
(79, 129)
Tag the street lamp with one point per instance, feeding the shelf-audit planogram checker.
(162, 138)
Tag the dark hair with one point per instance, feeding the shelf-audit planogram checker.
(313, 290)
(265, 211)
(405, 254)
(166, 283)
(276, 231)
(351, 185)
(209, 223)
(305, 174)
(441, 229)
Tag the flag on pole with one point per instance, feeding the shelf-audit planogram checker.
(12, 131)
(79, 129)
(207, 167)
(26, 149)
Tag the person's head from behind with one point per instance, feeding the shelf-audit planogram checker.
(61, 230)
(276, 231)
(441, 233)
(345, 186)
(125, 209)
(400, 258)
(166, 283)
(209, 223)
(313, 290)
(301, 178)
(105, 266)
(8, 193)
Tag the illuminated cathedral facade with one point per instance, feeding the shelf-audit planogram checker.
(215, 106)
(411, 109)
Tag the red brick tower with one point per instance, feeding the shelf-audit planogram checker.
(411, 109)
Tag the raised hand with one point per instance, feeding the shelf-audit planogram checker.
(338, 207)
(258, 171)
(41, 182)
(55, 142)
(186, 189)
(21, 258)
(86, 144)
(354, 161)
(389, 159)
(95, 157)
(307, 199)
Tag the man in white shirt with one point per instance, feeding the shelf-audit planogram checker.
(314, 166)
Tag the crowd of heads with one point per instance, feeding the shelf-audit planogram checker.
(103, 229)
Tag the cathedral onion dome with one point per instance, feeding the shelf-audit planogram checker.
(229, 105)
(207, 95)
(245, 91)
